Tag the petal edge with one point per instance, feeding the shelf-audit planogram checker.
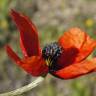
(13, 55)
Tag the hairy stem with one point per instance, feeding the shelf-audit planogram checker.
(24, 89)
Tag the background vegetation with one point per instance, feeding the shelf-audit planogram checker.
(52, 18)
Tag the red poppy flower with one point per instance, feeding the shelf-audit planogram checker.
(65, 58)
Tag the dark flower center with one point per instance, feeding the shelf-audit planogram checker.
(50, 53)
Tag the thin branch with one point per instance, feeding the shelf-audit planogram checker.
(24, 89)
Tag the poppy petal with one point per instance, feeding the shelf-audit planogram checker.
(73, 38)
(35, 65)
(12, 54)
(28, 34)
(76, 70)
(87, 48)
(73, 53)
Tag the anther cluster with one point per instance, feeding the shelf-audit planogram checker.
(51, 51)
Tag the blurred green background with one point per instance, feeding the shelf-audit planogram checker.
(52, 18)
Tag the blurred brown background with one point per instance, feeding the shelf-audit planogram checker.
(52, 18)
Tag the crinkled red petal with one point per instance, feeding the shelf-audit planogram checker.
(73, 38)
(67, 57)
(28, 34)
(76, 70)
(81, 47)
(13, 55)
(86, 49)
(35, 65)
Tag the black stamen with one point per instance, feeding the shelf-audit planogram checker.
(52, 52)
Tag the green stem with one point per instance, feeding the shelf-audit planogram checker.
(24, 89)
